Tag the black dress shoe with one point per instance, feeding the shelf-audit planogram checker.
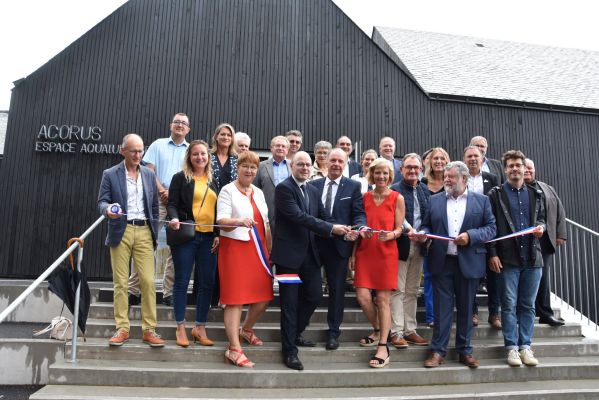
(551, 321)
(332, 343)
(294, 363)
(167, 301)
(300, 341)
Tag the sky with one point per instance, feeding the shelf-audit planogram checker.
(33, 31)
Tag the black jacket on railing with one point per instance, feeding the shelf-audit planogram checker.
(507, 250)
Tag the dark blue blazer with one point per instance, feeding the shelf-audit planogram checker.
(354, 167)
(348, 209)
(296, 225)
(113, 189)
(479, 222)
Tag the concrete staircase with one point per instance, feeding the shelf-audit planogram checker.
(569, 364)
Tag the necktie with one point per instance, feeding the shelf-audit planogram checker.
(305, 192)
(329, 198)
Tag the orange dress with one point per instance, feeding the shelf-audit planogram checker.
(377, 262)
(243, 279)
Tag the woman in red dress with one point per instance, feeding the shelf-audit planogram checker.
(243, 264)
(376, 257)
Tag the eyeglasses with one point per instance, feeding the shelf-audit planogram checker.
(411, 167)
(134, 152)
(295, 141)
(249, 167)
(179, 122)
(303, 165)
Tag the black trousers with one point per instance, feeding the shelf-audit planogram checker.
(543, 301)
(336, 271)
(298, 301)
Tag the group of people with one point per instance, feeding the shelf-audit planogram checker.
(380, 222)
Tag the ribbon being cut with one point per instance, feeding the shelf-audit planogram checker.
(523, 232)
(284, 278)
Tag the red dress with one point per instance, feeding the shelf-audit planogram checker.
(377, 262)
(243, 279)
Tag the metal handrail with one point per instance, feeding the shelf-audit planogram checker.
(570, 278)
(11, 307)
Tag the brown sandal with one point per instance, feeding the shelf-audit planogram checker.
(249, 336)
(238, 357)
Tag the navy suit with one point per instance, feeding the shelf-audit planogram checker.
(354, 167)
(294, 250)
(457, 276)
(113, 189)
(348, 209)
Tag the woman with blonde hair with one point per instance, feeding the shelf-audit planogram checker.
(376, 257)
(223, 155)
(192, 196)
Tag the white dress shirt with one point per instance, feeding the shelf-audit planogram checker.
(456, 209)
(476, 184)
(333, 188)
(135, 197)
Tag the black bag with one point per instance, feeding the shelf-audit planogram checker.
(186, 231)
(184, 234)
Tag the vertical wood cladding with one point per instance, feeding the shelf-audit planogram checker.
(265, 66)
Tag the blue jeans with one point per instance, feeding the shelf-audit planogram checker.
(518, 287)
(184, 256)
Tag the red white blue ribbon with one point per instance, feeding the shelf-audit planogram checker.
(523, 232)
(260, 250)
(288, 278)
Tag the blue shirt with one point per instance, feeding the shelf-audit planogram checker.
(520, 211)
(280, 171)
(167, 158)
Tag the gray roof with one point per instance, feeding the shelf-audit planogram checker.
(3, 123)
(493, 69)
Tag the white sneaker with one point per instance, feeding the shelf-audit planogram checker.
(528, 357)
(513, 358)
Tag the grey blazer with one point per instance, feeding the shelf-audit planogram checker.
(113, 189)
(265, 180)
(555, 219)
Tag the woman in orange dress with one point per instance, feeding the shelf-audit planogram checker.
(376, 256)
(243, 264)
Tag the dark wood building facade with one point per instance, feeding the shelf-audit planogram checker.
(265, 66)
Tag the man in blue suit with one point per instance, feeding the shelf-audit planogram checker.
(342, 199)
(300, 216)
(132, 188)
(456, 266)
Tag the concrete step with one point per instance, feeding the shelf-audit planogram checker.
(532, 390)
(350, 332)
(342, 375)
(164, 313)
(106, 295)
(347, 353)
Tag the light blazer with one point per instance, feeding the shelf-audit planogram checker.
(348, 209)
(555, 217)
(297, 225)
(479, 222)
(113, 189)
(265, 180)
(233, 204)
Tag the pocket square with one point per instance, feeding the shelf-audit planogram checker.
(345, 198)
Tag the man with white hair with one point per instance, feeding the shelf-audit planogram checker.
(489, 164)
(243, 141)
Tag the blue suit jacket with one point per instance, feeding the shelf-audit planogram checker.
(113, 189)
(348, 209)
(479, 222)
(297, 225)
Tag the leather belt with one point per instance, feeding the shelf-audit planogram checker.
(137, 222)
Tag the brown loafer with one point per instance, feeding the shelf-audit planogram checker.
(399, 342)
(414, 338)
(475, 320)
(469, 360)
(495, 321)
(434, 360)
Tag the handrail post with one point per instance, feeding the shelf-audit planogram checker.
(76, 310)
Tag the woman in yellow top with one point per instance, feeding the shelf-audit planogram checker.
(192, 196)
